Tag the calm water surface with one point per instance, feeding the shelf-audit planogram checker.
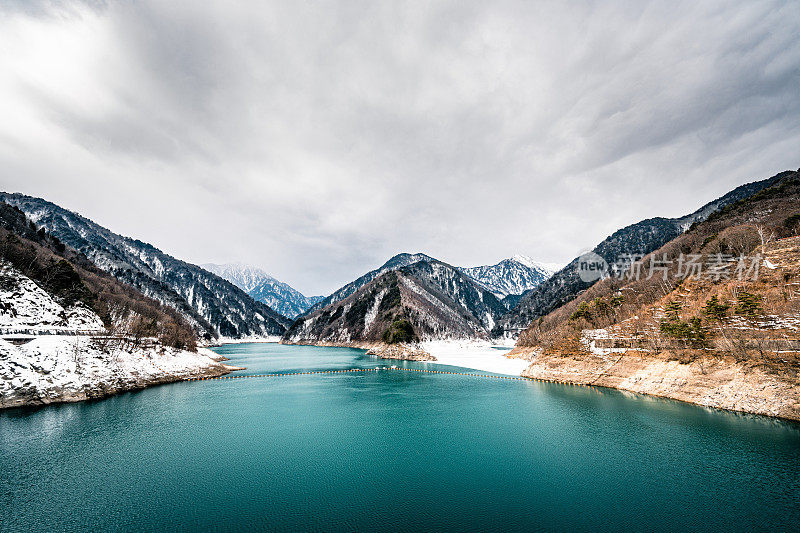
(390, 451)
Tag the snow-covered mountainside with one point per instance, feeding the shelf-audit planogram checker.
(426, 300)
(280, 296)
(400, 260)
(640, 238)
(510, 276)
(51, 353)
(214, 306)
(243, 276)
(24, 306)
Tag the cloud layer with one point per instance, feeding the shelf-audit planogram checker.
(316, 139)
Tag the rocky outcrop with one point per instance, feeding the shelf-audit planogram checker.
(409, 352)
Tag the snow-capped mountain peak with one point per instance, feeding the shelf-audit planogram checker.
(539, 265)
(511, 276)
(243, 276)
(264, 288)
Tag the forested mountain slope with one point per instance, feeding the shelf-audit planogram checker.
(425, 300)
(712, 317)
(213, 306)
(637, 239)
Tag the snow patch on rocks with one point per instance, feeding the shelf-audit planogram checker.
(23, 303)
(372, 312)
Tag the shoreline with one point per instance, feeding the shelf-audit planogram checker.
(472, 354)
(740, 389)
(711, 382)
(45, 372)
(105, 391)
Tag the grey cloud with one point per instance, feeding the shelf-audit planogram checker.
(316, 139)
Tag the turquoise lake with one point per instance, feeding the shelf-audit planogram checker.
(391, 451)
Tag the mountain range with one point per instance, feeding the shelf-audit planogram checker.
(262, 287)
(511, 277)
(421, 300)
(234, 300)
(213, 306)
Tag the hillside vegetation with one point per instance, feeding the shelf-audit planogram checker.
(71, 278)
(696, 325)
(640, 238)
(213, 306)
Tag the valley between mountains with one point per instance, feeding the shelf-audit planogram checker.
(86, 312)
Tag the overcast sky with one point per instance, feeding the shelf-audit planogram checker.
(317, 139)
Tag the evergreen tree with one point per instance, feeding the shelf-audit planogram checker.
(716, 309)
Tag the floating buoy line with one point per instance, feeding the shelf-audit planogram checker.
(383, 369)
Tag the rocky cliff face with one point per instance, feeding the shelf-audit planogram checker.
(262, 287)
(214, 306)
(426, 300)
(640, 238)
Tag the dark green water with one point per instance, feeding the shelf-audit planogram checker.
(391, 451)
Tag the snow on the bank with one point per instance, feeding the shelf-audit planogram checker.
(54, 368)
(478, 355)
(58, 361)
(245, 340)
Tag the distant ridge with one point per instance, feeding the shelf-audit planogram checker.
(424, 300)
(262, 287)
(510, 277)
